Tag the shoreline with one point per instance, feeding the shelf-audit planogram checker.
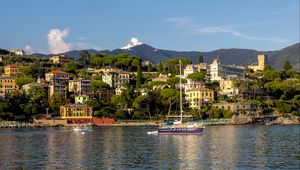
(34, 125)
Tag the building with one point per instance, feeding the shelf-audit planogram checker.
(190, 68)
(119, 91)
(236, 107)
(220, 71)
(28, 86)
(192, 84)
(116, 79)
(81, 99)
(7, 85)
(80, 86)
(12, 69)
(105, 94)
(161, 78)
(18, 52)
(58, 81)
(228, 87)
(146, 63)
(76, 113)
(63, 58)
(196, 97)
(262, 62)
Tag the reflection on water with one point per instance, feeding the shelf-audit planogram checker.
(220, 147)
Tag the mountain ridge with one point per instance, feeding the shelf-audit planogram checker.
(235, 56)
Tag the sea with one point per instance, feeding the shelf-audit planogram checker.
(219, 147)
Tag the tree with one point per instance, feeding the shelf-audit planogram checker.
(27, 71)
(175, 80)
(149, 67)
(160, 67)
(99, 84)
(171, 96)
(255, 87)
(24, 80)
(139, 76)
(287, 66)
(142, 104)
(39, 96)
(71, 67)
(56, 100)
(5, 110)
(196, 76)
(98, 87)
(84, 57)
(200, 59)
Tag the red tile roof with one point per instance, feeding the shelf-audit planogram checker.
(58, 72)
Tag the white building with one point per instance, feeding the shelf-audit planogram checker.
(219, 71)
(18, 52)
(191, 84)
(116, 79)
(191, 68)
(80, 86)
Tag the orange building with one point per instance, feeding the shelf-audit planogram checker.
(77, 113)
(58, 82)
(12, 69)
(7, 85)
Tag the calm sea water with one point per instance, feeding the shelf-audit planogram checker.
(220, 147)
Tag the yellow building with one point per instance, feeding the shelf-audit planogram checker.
(198, 96)
(76, 113)
(7, 85)
(12, 69)
(262, 61)
(63, 58)
(227, 87)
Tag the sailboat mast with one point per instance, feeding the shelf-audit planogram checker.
(180, 93)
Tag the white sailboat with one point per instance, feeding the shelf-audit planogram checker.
(179, 127)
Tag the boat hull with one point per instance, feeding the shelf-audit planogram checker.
(180, 131)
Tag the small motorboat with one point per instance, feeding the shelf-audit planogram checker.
(152, 133)
(77, 129)
(81, 129)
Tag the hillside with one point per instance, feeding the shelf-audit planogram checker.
(291, 53)
(227, 56)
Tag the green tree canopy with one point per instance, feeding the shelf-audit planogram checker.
(200, 59)
(99, 84)
(196, 76)
(287, 66)
(71, 67)
(84, 56)
(170, 95)
(24, 80)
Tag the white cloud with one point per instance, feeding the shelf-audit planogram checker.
(28, 49)
(57, 43)
(231, 31)
(133, 42)
(190, 26)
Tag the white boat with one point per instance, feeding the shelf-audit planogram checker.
(80, 129)
(178, 127)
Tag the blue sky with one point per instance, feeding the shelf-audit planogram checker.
(61, 25)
